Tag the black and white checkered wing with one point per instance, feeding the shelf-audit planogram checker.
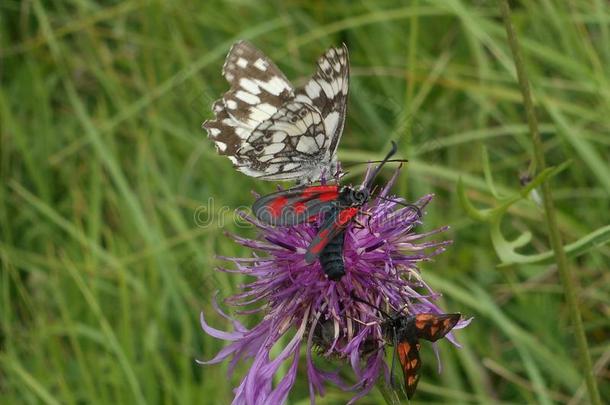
(269, 130)
(258, 90)
(327, 90)
(288, 146)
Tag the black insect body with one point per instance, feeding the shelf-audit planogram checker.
(331, 257)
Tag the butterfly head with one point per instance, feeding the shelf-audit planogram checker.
(355, 197)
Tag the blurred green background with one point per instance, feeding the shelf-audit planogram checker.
(104, 168)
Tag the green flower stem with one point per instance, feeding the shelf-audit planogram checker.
(388, 394)
(569, 281)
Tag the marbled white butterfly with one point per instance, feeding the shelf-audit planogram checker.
(272, 131)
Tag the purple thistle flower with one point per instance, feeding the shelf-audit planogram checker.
(298, 301)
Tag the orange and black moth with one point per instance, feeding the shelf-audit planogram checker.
(404, 332)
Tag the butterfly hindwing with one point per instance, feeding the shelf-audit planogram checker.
(287, 145)
(296, 205)
(410, 362)
(225, 131)
(327, 90)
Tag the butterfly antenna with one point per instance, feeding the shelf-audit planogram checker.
(384, 161)
(412, 206)
(381, 311)
(378, 168)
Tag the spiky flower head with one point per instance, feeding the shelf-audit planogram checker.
(297, 301)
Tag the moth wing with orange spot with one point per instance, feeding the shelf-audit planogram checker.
(433, 327)
(408, 355)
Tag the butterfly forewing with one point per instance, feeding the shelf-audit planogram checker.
(433, 327)
(296, 205)
(258, 87)
(327, 90)
(258, 90)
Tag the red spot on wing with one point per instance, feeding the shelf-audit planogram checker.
(317, 248)
(319, 190)
(329, 196)
(276, 206)
(299, 207)
(322, 193)
(346, 215)
(324, 233)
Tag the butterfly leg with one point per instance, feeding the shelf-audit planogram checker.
(358, 224)
(364, 323)
(369, 215)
